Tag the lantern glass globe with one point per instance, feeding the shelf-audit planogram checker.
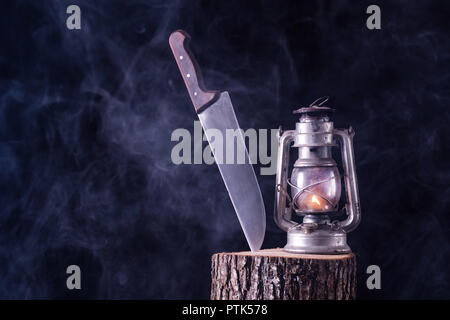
(315, 189)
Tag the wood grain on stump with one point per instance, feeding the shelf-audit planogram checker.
(274, 274)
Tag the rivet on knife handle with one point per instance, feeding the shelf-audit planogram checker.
(179, 41)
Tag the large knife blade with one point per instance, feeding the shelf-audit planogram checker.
(215, 111)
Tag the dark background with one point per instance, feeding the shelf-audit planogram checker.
(86, 118)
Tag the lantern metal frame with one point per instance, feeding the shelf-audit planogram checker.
(316, 234)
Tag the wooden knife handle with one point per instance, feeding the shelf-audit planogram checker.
(179, 43)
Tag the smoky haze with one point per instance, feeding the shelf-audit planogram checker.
(87, 115)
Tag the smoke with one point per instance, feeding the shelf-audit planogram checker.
(86, 118)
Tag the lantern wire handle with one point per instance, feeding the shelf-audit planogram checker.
(321, 99)
(316, 106)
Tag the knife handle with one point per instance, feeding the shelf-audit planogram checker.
(179, 43)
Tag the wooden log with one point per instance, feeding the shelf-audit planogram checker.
(274, 274)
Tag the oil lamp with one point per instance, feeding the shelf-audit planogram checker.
(315, 183)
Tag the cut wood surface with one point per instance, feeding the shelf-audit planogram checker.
(274, 274)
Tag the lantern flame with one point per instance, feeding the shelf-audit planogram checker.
(314, 199)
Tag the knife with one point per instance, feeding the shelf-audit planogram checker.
(215, 111)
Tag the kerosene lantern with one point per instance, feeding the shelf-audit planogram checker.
(315, 183)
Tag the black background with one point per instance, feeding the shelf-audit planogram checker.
(86, 118)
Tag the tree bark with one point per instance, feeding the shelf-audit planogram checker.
(274, 274)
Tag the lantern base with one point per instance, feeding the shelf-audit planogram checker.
(320, 239)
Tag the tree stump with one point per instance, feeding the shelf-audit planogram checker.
(274, 274)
